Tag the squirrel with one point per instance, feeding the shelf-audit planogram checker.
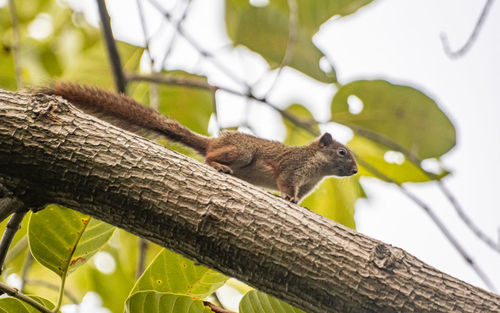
(293, 171)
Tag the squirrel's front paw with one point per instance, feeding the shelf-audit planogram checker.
(291, 199)
(223, 168)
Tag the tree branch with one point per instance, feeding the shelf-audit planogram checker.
(64, 156)
(13, 292)
(9, 233)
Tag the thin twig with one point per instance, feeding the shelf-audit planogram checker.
(114, 56)
(51, 286)
(13, 292)
(473, 36)
(205, 53)
(16, 44)
(10, 231)
(174, 35)
(141, 257)
(215, 308)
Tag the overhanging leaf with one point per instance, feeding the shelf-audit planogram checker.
(258, 302)
(398, 114)
(161, 302)
(171, 272)
(62, 239)
(265, 30)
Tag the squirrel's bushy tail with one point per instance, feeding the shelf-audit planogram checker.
(126, 113)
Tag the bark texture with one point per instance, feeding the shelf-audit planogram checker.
(52, 153)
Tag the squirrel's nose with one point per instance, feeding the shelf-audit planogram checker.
(354, 170)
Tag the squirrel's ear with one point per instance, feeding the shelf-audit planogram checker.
(325, 140)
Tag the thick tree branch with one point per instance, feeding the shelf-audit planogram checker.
(61, 155)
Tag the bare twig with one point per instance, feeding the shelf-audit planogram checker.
(10, 231)
(215, 308)
(174, 35)
(114, 56)
(15, 44)
(13, 292)
(141, 256)
(205, 53)
(473, 36)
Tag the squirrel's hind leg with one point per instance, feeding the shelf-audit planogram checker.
(222, 158)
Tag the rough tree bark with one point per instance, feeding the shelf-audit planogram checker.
(52, 153)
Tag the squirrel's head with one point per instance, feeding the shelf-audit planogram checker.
(339, 159)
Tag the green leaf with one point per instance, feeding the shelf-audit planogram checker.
(160, 302)
(335, 199)
(374, 154)
(265, 30)
(62, 239)
(296, 135)
(7, 74)
(258, 302)
(395, 114)
(13, 305)
(171, 272)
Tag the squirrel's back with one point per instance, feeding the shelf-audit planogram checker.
(127, 113)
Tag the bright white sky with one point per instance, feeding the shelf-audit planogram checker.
(397, 40)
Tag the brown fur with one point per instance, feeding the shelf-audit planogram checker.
(294, 171)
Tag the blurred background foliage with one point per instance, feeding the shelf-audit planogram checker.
(394, 129)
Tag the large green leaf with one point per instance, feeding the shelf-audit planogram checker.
(13, 305)
(395, 115)
(258, 302)
(62, 239)
(335, 199)
(265, 30)
(171, 272)
(161, 302)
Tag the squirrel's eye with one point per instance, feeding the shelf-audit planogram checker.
(341, 152)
